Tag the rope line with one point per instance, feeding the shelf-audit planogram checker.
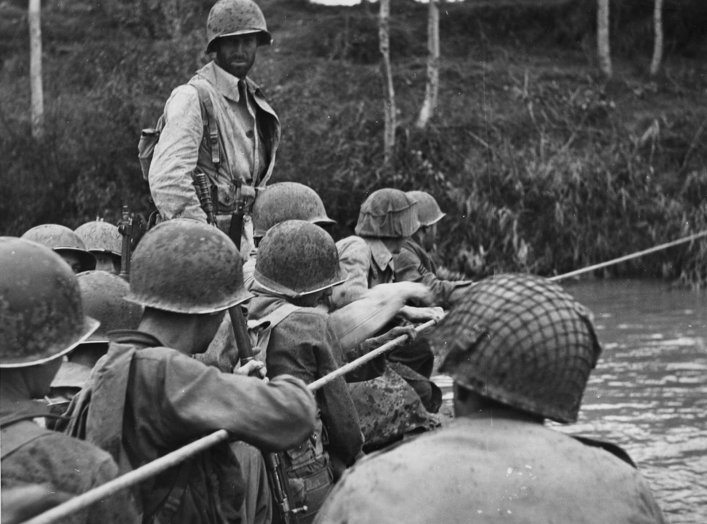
(624, 258)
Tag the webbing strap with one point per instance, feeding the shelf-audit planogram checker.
(210, 125)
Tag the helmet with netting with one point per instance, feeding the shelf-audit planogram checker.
(520, 340)
(62, 240)
(388, 213)
(186, 266)
(102, 295)
(101, 237)
(41, 314)
(233, 18)
(428, 211)
(287, 201)
(296, 258)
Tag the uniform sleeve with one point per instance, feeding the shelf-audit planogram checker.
(117, 508)
(354, 262)
(176, 155)
(197, 399)
(409, 268)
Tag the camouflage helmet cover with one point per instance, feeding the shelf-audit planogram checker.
(101, 237)
(428, 211)
(41, 314)
(297, 258)
(387, 213)
(102, 295)
(287, 201)
(62, 240)
(186, 266)
(520, 340)
(236, 17)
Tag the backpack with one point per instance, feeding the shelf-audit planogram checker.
(151, 135)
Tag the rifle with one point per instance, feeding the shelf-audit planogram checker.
(126, 228)
(276, 477)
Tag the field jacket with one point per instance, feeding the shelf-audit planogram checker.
(163, 399)
(492, 470)
(247, 146)
(301, 346)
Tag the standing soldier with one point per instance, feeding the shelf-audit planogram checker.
(414, 263)
(296, 269)
(104, 241)
(148, 396)
(239, 154)
(42, 319)
(520, 350)
(64, 242)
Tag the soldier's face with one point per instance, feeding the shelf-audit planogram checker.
(73, 260)
(236, 54)
(107, 262)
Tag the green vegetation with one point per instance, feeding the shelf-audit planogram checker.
(541, 165)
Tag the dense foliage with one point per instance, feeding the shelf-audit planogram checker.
(541, 165)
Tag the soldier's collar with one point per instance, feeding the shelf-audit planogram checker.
(380, 254)
(225, 83)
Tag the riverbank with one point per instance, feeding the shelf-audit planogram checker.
(541, 165)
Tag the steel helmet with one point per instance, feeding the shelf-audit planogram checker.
(296, 258)
(388, 213)
(41, 315)
(62, 240)
(287, 201)
(186, 266)
(236, 17)
(102, 295)
(520, 340)
(428, 211)
(101, 237)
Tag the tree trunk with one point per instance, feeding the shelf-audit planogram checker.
(432, 88)
(658, 38)
(35, 69)
(603, 49)
(388, 90)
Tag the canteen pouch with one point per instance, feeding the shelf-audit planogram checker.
(146, 147)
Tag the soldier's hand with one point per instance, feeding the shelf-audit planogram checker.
(422, 314)
(375, 342)
(253, 368)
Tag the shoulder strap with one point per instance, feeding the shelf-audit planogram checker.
(210, 125)
(19, 433)
(104, 422)
(612, 448)
(264, 326)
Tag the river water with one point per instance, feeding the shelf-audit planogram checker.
(649, 390)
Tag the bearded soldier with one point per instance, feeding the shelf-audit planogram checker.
(239, 154)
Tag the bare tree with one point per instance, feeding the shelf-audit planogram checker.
(658, 38)
(388, 89)
(35, 68)
(432, 88)
(603, 48)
